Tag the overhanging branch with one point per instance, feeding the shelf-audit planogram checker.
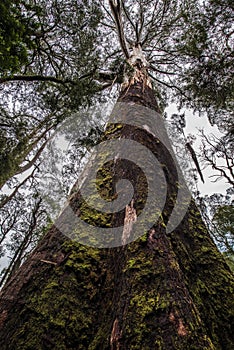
(34, 78)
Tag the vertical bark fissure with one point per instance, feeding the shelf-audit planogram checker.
(129, 220)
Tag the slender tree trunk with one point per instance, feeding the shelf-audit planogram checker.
(20, 251)
(15, 157)
(161, 291)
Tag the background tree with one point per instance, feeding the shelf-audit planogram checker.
(57, 78)
(224, 231)
(223, 220)
(217, 154)
(208, 78)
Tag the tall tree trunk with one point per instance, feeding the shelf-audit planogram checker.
(161, 291)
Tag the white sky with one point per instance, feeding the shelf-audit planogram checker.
(194, 122)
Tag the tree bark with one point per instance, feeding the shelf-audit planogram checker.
(161, 291)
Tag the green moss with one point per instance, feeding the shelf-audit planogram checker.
(143, 238)
(138, 263)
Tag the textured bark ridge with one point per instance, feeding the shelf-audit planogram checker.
(162, 291)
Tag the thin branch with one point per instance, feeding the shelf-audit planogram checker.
(52, 79)
(105, 86)
(151, 21)
(194, 157)
(8, 198)
(127, 15)
(107, 25)
(106, 10)
(114, 53)
(115, 8)
(212, 162)
(168, 85)
(224, 174)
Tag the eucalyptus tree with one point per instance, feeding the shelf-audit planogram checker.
(163, 286)
(223, 220)
(217, 212)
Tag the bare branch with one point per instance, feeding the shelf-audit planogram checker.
(37, 155)
(142, 21)
(107, 12)
(151, 23)
(115, 8)
(219, 149)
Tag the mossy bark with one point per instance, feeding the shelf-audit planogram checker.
(162, 291)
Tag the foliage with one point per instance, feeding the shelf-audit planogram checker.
(17, 34)
(75, 53)
(223, 221)
(217, 152)
(217, 211)
(56, 79)
(208, 44)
